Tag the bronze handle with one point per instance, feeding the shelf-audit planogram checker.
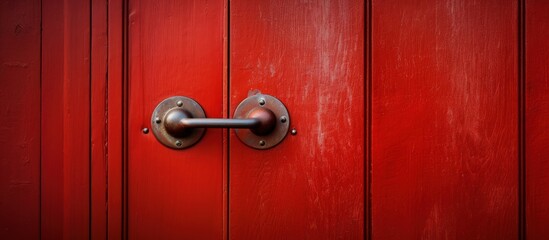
(179, 122)
(261, 121)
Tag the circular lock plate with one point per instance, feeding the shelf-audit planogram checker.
(159, 117)
(282, 121)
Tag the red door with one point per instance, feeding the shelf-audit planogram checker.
(310, 185)
(379, 119)
(405, 118)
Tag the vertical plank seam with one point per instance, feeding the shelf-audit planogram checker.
(41, 117)
(368, 119)
(228, 26)
(90, 122)
(125, 82)
(522, 117)
(106, 122)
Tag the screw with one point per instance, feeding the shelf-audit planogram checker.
(145, 130)
(262, 143)
(157, 120)
(283, 119)
(294, 132)
(262, 102)
(178, 143)
(179, 103)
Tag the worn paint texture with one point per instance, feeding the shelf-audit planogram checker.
(537, 119)
(444, 120)
(20, 124)
(411, 119)
(310, 55)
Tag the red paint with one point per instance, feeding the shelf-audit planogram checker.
(115, 66)
(537, 117)
(444, 120)
(98, 120)
(52, 120)
(175, 48)
(444, 125)
(310, 55)
(76, 122)
(65, 201)
(20, 124)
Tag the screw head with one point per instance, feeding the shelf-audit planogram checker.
(179, 103)
(294, 132)
(178, 143)
(145, 130)
(283, 119)
(157, 120)
(261, 143)
(262, 102)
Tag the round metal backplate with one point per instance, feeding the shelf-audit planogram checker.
(159, 117)
(282, 124)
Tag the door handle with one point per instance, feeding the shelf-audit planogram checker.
(260, 121)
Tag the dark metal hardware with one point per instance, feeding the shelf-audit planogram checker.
(260, 121)
(179, 122)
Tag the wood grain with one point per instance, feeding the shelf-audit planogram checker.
(537, 119)
(76, 126)
(310, 55)
(53, 68)
(175, 49)
(66, 103)
(20, 126)
(444, 120)
(115, 105)
(98, 116)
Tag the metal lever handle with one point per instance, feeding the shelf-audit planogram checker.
(261, 121)
(220, 123)
(179, 122)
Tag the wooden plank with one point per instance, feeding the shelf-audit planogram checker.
(175, 48)
(537, 117)
(66, 120)
(114, 123)
(99, 120)
(52, 119)
(76, 165)
(444, 119)
(310, 55)
(20, 127)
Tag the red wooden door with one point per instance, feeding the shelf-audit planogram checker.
(309, 186)
(409, 119)
(418, 100)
